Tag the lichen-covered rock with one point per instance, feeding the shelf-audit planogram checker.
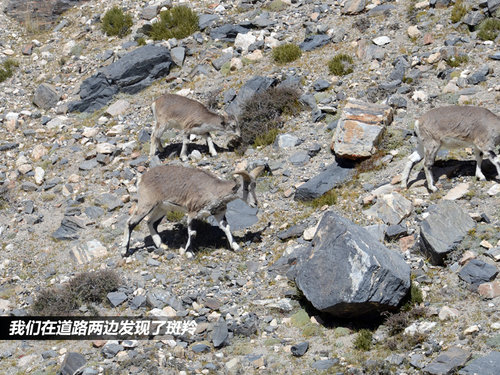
(360, 129)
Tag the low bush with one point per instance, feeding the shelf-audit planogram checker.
(7, 69)
(458, 11)
(261, 116)
(87, 287)
(458, 60)
(489, 29)
(340, 65)
(286, 53)
(178, 22)
(364, 340)
(116, 23)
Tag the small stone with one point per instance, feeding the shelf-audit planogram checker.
(72, 363)
(39, 175)
(413, 32)
(472, 329)
(118, 108)
(457, 192)
(466, 256)
(486, 244)
(381, 40)
(116, 298)
(494, 190)
(494, 253)
(447, 313)
(434, 58)
(489, 290)
(300, 349)
(220, 333)
(199, 348)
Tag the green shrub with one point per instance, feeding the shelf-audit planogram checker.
(178, 22)
(364, 340)
(328, 199)
(340, 65)
(276, 6)
(458, 11)
(266, 138)
(261, 116)
(286, 53)
(7, 69)
(456, 61)
(116, 23)
(86, 287)
(489, 29)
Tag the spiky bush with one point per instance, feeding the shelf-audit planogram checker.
(84, 288)
(489, 29)
(178, 22)
(340, 65)
(456, 61)
(286, 53)
(458, 11)
(364, 340)
(116, 23)
(7, 69)
(262, 115)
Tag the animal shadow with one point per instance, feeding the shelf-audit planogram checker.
(173, 150)
(208, 237)
(453, 168)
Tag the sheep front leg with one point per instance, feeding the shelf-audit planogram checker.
(222, 223)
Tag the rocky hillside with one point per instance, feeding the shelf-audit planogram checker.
(341, 271)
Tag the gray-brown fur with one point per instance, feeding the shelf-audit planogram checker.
(455, 126)
(191, 117)
(194, 191)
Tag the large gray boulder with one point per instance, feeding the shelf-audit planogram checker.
(331, 177)
(443, 230)
(130, 74)
(348, 273)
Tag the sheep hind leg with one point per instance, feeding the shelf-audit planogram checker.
(191, 233)
(430, 153)
(154, 219)
(210, 144)
(479, 161)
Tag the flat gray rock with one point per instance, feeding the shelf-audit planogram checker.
(448, 362)
(46, 96)
(333, 176)
(477, 272)
(314, 41)
(72, 363)
(240, 215)
(443, 230)
(220, 333)
(487, 365)
(116, 298)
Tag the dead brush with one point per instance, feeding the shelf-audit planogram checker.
(87, 287)
(263, 114)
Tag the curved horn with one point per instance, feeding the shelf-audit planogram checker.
(257, 171)
(246, 176)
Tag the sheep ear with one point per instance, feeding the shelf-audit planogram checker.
(245, 175)
(257, 171)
